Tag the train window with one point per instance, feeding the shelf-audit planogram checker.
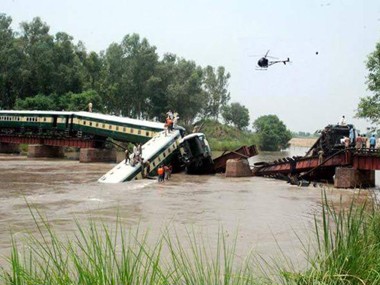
(97, 125)
(90, 123)
(124, 130)
(139, 132)
(154, 164)
(117, 128)
(132, 131)
(164, 154)
(84, 122)
(104, 126)
(110, 127)
(159, 159)
(147, 134)
(44, 119)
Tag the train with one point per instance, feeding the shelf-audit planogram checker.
(196, 154)
(194, 151)
(330, 140)
(83, 125)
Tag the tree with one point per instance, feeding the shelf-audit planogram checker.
(38, 67)
(130, 66)
(369, 106)
(236, 114)
(79, 101)
(38, 102)
(215, 86)
(272, 133)
(11, 58)
(185, 93)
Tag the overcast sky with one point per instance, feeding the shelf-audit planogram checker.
(311, 92)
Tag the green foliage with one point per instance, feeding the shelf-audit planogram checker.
(38, 102)
(348, 250)
(272, 133)
(11, 58)
(79, 102)
(69, 102)
(369, 106)
(185, 93)
(222, 137)
(236, 114)
(215, 86)
(98, 254)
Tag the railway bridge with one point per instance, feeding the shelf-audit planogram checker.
(347, 168)
(47, 132)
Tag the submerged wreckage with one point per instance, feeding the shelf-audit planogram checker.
(332, 158)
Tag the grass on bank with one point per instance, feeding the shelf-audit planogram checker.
(348, 246)
(347, 252)
(223, 137)
(101, 255)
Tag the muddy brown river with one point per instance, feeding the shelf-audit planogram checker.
(266, 213)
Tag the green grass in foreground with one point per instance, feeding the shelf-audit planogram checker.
(347, 252)
(348, 247)
(100, 255)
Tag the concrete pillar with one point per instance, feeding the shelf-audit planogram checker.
(40, 150)
(352, 178)
(97, 155)
(238, 168)
(9, 148)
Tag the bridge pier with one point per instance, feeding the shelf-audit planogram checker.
(9, 148)
(352, 178)
(238, 168)
(40, 150)
(97, 155)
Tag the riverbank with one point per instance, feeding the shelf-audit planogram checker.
(302, 142)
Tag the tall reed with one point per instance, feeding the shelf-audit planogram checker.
(348, 246)
(347, 251)
(98, 254)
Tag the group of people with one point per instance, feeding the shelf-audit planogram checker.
(164, 172)
(170, 121)
(136, 156)
(361, 142)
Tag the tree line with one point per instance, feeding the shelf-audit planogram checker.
(39, 70)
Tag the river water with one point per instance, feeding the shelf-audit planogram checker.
(266, 214)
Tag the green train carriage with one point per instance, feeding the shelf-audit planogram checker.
(118, 128)
(32, 122)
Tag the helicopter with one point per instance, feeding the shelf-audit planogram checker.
(264, 62)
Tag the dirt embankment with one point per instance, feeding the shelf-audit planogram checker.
(303, 142)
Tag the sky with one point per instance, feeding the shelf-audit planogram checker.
(314, 90)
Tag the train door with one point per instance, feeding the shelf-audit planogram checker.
(55, 120)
